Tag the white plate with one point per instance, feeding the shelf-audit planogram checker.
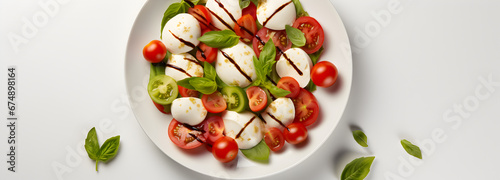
(332, 100)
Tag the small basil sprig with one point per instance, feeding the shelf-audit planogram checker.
(220, 39)
(205, 85)
(357, 169)
(360, 138)
(107, 151)
(258, 153)
(172, 11)
(264, 66)
(296, 36)
(411, 149)
(156, 69)
(299, 9)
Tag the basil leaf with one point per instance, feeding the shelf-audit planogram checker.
(259, 71)
(268, 56)
(411, 149)
(109, 148)
(277, 92)
(259, 25)
(185, 83)
(156, 69)
(203, 85)
(172, 11)
(244, 3)
(209, 71)
(315, 56)
(220, 39)
(259, 153)
(296, 36)
(299, 9)
(91, 144)
(360, 137)
(256, 2)
(357, 169)
(311, 87)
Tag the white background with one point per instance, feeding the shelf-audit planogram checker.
(412, 69)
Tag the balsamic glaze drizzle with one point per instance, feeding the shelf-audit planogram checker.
(236, 66)
(179, 69)
(242, 129)
(182, 40)
(276, 11)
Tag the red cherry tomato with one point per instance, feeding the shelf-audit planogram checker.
(306, 108)
(213, 127)
(313, 32)
(324, 74)
(185, 92)
(295, 133)
(182, 136)
(279, 38)
(225, 149)
(202, 15)
(246, 27)
(289, 84)
(257, 98)
(206, 53)
(214, 103)
(274, 139)
(250, 9)
(154, 51)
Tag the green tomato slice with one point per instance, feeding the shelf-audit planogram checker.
(235, 97)
(163, 89)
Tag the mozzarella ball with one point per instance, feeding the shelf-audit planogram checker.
(180, 32)
(188, 110)
(301, 60)
(216, 11)
(281, 109)
(181, 66)
(251, 135)
(241, 55)
(271, 16)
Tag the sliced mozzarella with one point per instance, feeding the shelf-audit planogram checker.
(275, 14)
(181, 33)
(298, 58)
(224, 13)
(282, 110)
(188, 110)
(251, 132)
(180, 66)
(240, 58)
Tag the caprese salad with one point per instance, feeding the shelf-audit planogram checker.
(238, 75)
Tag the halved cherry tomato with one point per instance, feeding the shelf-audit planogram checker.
(225, 149)
(250, 9)
(257, 98)
(214, 102)
(213, 127)
(246, 27)
(306, 108)
(274, 139)
(295, 133)
(183, 136)
(313, 32)
(324, 74)
(185, 92)
(201, 14)
(154, 51)
(289, 84)
(162, 109)
(206, 53)
(279, 38)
